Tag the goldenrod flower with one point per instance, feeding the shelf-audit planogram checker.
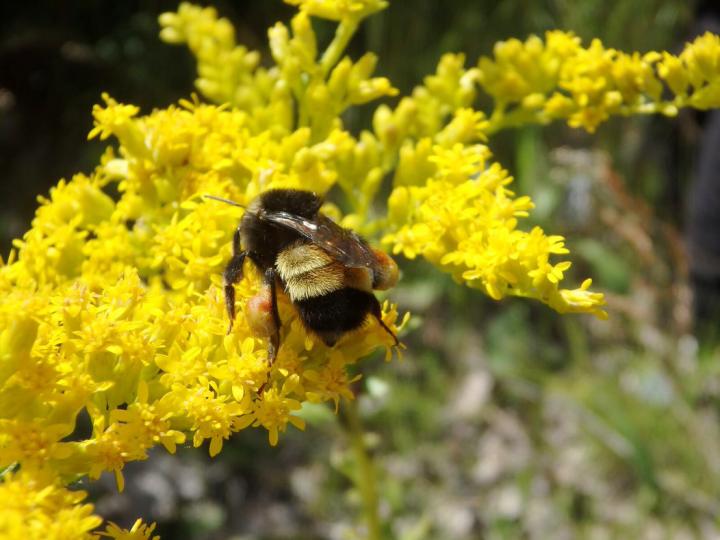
(464, 220)
(339, 9)
(274, 411)
(139, 531)
(37, 507)
(536, 81)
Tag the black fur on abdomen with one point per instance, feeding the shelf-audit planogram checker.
(333, 314)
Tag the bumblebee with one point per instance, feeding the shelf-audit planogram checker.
(328, 272)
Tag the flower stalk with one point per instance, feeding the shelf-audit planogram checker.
(365, 475)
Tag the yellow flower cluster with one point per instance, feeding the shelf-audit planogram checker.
(321, 89)
(36, 510)
(452, 206)
(121, 301)
(36, 507)
(340, 10)
(468, 228)
(536, 81)
(115, 308)
(112, 304)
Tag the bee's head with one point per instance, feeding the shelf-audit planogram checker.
(293, 201)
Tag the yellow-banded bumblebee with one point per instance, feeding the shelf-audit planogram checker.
(328, 272)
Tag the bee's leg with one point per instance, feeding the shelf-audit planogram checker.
(233, 274)
(376, 311)
(270, 327)
(274, 343)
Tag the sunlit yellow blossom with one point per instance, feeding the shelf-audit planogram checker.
(247, 368)
(576, 300)
(31, 442)
(466, 126)
(672, 71)
(558, 78)
(139, 531)
(148, 424)
(701, 60)
(111, 119)
(465, 220)
(222, 64)
(519, 69)
(274, 410)
(212, 414)
(38, 508)
(317, 88)
(332, 380)
(109, 449)
(458, 163)
(339, 9)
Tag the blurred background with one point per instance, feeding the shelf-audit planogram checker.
(504, 420)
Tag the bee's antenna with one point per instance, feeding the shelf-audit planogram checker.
(227, 201)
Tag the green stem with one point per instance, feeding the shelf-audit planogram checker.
(343, 34)
(576, 341)
(365, 477)
(515, 118)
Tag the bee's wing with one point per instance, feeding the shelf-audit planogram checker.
(342, 244)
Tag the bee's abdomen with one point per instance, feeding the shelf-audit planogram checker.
(332, 315)
(308, 272)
